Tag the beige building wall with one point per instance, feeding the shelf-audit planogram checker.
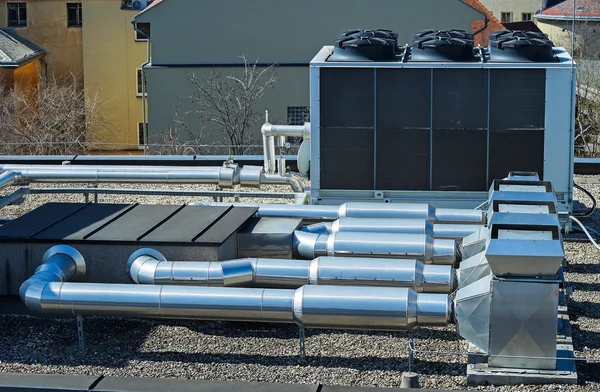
(587, 35)
(516, 7)
(111, 56)
(47, 28)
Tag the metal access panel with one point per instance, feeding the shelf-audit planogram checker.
(523, 325)
(438, 132)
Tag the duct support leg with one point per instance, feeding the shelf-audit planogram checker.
(302, 337)
(411, 355)
(80, 335)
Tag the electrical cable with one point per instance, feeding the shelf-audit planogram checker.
(589, 211)
(587, 233)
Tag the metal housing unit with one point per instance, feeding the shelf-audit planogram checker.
(438, 132)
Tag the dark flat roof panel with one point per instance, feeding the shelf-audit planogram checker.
(135, 223)
(37, 220)
(227, 225)
(83, 222)
(186, 225)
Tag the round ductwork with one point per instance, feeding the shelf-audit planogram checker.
(520, 46)
(365, 45)
(442, 45)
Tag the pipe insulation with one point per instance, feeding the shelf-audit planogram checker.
(148, 266)
(391, 245)
(225, 177)
(270, 132)
(365, 210)
(366, 308)
(452, 231)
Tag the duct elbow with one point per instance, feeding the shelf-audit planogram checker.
(305, 244)
(9, 178)
(31, 293)
(142, 265)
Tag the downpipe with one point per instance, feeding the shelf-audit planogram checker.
(148, 266)
(365, 308)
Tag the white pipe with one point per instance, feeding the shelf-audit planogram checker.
(270, 131)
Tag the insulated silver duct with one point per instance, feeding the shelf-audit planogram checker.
(355, 244)
(365, 210)
(148, 266)
(270, 132)
(224, 176)
(364, 308)
(452, 231)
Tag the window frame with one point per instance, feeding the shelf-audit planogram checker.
(79, 15)
(294, 112)
(139, 85)
(510, 17)
(21, 5)
(137, 36)
(529, 14)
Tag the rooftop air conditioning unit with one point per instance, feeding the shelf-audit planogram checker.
(439, 121)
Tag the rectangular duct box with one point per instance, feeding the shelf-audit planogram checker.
(438, 132)
(268, 237)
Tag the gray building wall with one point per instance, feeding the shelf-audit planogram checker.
(167, 87)
(197, 35)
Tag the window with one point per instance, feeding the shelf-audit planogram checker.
(139, 83)
(143, 33)
(17, 14)
(74, 18)
(141, 138)
(298, 115)
(526, 16)
(506, 17)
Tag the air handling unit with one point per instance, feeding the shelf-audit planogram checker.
(438, 121)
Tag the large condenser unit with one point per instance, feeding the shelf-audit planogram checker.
(438, 121)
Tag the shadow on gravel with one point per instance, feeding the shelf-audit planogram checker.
(590, 268)
(585, 286)
(583, 308)
(112, 342)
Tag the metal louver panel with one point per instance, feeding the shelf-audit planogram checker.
(460, 109)
(403, 129)
(347, 128)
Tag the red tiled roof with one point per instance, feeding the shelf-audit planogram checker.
(478, 26)
(155, 2)
(584, 9)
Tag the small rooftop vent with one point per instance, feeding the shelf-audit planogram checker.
(365, 45)
(442, 45)
(520, 47)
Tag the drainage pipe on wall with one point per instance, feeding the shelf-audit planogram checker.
(391, 245)
(364, 308)
(395, 225)
(271, 131)
(148, 266)
(225, 177)
(365, 210)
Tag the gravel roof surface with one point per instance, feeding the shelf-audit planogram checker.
(269, 352)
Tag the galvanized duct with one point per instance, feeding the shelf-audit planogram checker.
(148, 266)
(364, 308)
(398, 246)
(365, 210)
(452, 231)
(225, 177)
